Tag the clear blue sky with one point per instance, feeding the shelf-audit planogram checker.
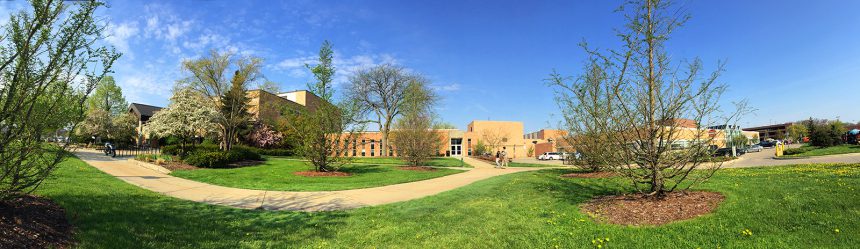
(790, 59)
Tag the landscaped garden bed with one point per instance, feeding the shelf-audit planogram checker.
(641, 209)
(294, 175)
(806, 206)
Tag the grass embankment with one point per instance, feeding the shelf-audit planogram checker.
(807, 150)
(277, 174)
(781, 207)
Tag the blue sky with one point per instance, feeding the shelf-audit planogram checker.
(790, 59)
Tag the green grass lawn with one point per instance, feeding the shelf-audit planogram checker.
(277, 174)
(807, 150)
(784, 207)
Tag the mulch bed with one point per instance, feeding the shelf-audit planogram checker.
(34, 222)
(598, 174)
(174, 166)
(417, 168)
(321, 174)
(640, 209)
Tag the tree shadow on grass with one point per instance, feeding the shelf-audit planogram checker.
(124, 220)
(579, 190)
(365, 168)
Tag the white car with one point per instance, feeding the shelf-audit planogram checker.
(550, 156)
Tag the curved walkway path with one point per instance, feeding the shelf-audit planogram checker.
(287, 200)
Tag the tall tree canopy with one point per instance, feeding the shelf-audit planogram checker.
(208, 77)
(381, 91)
(108, 96)
(49, 64)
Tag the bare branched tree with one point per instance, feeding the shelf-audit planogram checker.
(630, 104)
(381, 90)
(494, 138)
(49, 64)
(414, 137)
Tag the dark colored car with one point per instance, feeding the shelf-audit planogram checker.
(767, 144)
(727, 152)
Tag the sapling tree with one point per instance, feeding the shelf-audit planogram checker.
(629, 104)
(50, 61)
(323, 133)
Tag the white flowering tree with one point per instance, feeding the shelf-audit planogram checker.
(188, 115)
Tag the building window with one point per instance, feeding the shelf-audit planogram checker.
(372, 149)
(353, 147)
(469, 145)
(362, 147)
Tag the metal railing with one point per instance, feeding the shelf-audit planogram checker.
(124, 151)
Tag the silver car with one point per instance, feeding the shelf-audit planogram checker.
(754, 148)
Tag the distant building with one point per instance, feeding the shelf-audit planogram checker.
(776, 131)
(143, 113)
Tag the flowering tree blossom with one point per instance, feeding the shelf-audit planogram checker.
(263, 136)
(188, 115)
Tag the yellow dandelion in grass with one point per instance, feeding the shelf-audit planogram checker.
(836, 230)
(746, 232)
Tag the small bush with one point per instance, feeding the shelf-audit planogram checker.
(141, 157)
(215, 159)
(240, 153)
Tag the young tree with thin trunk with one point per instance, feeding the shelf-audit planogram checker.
(49, 64)
(631, 100)
(414, 136)
(382, 91)
(323, 134)
(208, 77)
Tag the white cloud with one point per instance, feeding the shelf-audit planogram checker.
(447, 88)
(118, 36)
(176, 29)
(344, 66)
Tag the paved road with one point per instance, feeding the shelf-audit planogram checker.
(287, 200)
(755, 159)
(765, 158)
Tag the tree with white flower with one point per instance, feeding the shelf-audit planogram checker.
(189, 114)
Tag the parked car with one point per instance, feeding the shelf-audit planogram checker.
(767, 144)
(753, 148)
(727, 152)
(550, 156)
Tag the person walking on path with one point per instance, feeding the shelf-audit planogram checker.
(504, 155)
(497, 160)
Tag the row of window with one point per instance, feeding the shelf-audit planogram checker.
(456, 145)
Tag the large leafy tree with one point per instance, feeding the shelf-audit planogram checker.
(49, 63)
(630, 100)
(323, 134)
(208, 77)
(189, 114)
(382, 92)
(108, 97)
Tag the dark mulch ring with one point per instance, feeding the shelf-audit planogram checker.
(640, 209)
(417, 168)
(321, 174)
(34, 222)
(598, 174)
(173, 166)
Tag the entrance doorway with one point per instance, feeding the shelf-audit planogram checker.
(456, 146)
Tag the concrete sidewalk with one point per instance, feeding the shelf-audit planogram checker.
(286, 200)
